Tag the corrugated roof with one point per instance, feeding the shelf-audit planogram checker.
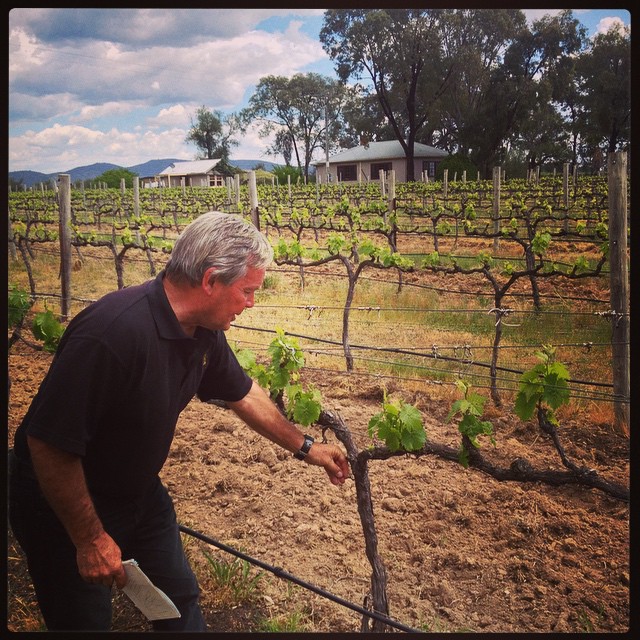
(190, 168)
(386, 150)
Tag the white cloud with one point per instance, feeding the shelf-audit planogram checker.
(20, 41)
(63, 147)
(175, 115)
(537, 14)
(27, 108)
(252, 147)
(606, 24)
(108, 109)
(216, 72)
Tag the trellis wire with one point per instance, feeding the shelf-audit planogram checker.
(426, 355)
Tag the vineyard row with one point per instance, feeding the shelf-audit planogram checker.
(341, 234)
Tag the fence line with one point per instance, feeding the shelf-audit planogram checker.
(377, 309)
(309, 271)
(435, 356)
(435, 349)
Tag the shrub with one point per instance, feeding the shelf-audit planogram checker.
(456, 164)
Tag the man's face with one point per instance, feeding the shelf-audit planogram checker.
(228, 301)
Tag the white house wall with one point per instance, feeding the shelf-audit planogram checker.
(399, 165)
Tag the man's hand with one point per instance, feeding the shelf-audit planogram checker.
(261, 414)
(62, 481)
(332, 459)
(100, 562)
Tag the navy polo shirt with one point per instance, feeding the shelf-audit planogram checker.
(123, 372)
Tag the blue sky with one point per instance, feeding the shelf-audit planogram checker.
(123, 85)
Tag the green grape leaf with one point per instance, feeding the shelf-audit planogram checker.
(306, 407)
(525, 405)
(47, 328)
(556, 391)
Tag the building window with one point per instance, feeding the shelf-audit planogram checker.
(347, 172)
(377, 167)
(430, 167)
(216, 180)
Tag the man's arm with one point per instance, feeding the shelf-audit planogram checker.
(261, 414)
(63, 484)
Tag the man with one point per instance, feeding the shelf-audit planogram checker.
(84, 487)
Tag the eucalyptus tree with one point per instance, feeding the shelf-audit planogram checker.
(518, 89)
(470, 81)
(543, 138)
(302, 113)
(477, 39)
(364, 119)
(212, 133)
(603, 74)
(399, 51)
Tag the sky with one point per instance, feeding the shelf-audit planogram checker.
(123, 85)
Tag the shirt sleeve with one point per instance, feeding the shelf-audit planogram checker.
(223, 378)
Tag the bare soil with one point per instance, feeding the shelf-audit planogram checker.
(463, 552)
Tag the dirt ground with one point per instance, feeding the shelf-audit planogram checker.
(463, 552)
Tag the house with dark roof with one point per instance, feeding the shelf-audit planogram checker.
(199, 173)
(364, 163)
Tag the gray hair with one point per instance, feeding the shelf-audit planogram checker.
(221, 240)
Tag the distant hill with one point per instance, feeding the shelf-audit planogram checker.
(91, 171)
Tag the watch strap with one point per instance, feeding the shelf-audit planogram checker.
(301, 454)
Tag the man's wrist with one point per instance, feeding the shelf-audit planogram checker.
(301, 454)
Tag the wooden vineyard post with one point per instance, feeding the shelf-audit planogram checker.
(227, 182)
(236, 181)
(64, 203)
(136, 196)
(136, 206)
(391, 199)
(620, 319)
(565, 194)
(496, 206)
(12, 245)
(253, 194)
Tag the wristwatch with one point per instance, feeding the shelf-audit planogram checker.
(301, 454)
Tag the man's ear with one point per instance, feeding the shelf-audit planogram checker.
(208, 279)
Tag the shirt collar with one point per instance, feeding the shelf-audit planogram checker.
(163, 315)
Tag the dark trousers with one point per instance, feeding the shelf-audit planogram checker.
(145, 530)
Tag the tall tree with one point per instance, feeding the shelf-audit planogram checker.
(604, 86)
(364, 119)
(477, 38)
(543, 137)
(512, 95)
(298, 111)
(400, 52)
(213, 133)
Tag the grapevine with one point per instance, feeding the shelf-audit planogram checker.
(470, 408)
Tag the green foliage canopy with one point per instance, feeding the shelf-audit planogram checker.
(113, 177)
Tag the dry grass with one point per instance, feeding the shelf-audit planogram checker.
(411, 318)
